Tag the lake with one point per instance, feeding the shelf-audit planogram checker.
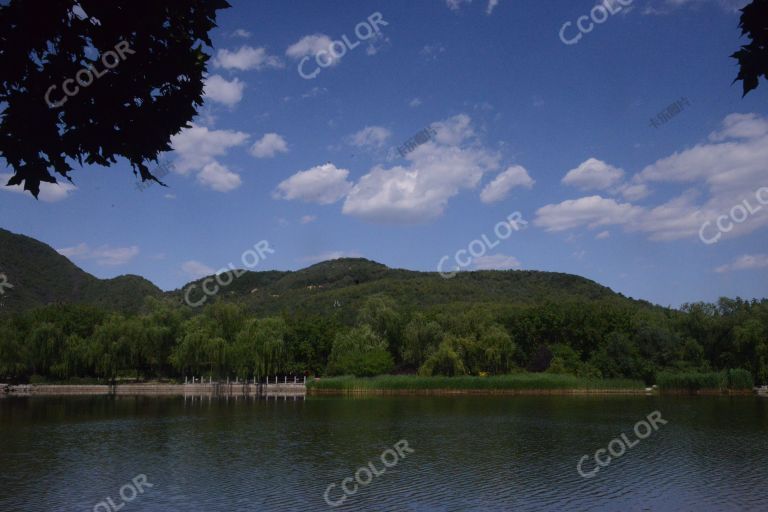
(478, 453)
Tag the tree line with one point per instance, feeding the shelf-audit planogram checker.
(605, 338)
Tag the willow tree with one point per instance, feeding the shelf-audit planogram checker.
(260, 349)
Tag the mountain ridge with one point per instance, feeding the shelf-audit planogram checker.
(40, 276)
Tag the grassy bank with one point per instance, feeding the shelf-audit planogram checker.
(533, 382)
(712, 382)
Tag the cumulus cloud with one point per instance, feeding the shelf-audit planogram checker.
(246, 58)
(418, 191)
(453, 131)
(241, 33)
(746, 262)
(514, 176)
(491, 6)
(593, 174)
(436, 171)
(268, 146)
(322, 184)
(308, 46)
(218, 89)
(197, 148)
(217, 177)
(496, 262)
(196, 270)
(103, 255)
(49, 192)
(592, 211)
(370, 136)
(726, 172)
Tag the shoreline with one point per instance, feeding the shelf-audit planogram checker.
(524, 392)
(155, 389)
(299, 389)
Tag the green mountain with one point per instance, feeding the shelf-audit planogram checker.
(40, 275)
(346, 283)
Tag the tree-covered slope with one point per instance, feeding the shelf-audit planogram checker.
(39, 275)
(347, 283)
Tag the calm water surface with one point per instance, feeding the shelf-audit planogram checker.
(470, 453)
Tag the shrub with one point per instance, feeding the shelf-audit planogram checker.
(739, 379)
(359, 352)
(691, 381)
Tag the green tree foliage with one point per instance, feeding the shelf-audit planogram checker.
(603, 338)
(444, 361)
(421, 338)
(360, 352)
(129, 112)
(753, 57)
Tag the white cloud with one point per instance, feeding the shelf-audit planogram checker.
(329, 255)
(633, 191)
(268, 146)
(491, 6)
(453, 131)
(104, 255)
(217, 177)
(308, 46)
(454, 5)
(197, 146)
(719, 176)
(662, 7)
(431, 51)
(593, 174)
(218, 89)
(376, 42)
(74, 251)
(741, 126)
(196, 270)
(436, 171)
(415, 102)
(322, 184)
(731, 168)
(746, 262)
(514, 176)
(241, 33)
(307, 219)
(496, 262)
(603, 235)
(49, 192)
(246, 58)
(370, 136)
(591, 211)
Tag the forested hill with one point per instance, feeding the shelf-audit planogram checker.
(346, 283)
(40, 276)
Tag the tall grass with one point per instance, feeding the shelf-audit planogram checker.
(524, 381)
(735, 379)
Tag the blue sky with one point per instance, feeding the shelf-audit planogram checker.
(516, 121)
